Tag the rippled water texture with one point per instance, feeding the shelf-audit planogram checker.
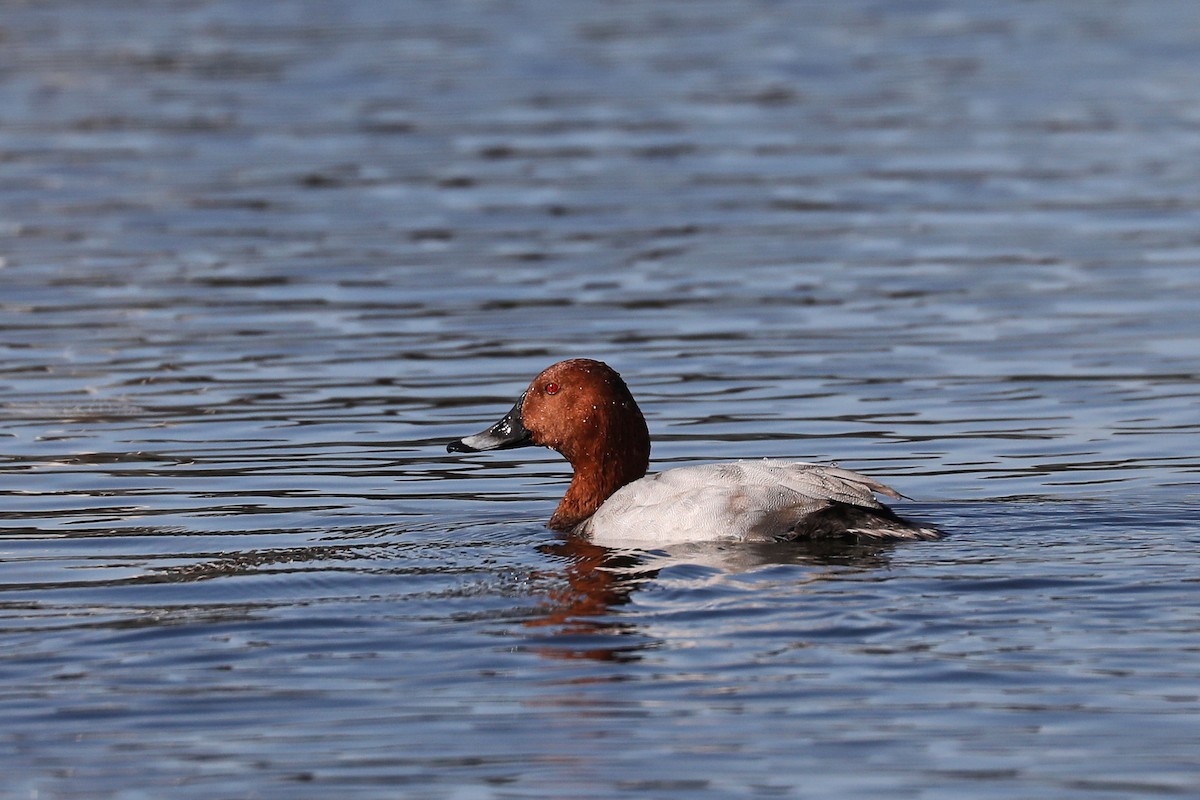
(262, 260)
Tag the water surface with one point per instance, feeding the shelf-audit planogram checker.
(261, 261)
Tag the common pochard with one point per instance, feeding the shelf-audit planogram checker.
(583, 409)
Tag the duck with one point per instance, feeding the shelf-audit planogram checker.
(582, 409)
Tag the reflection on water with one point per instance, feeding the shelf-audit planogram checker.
(262, 260)
(584, 615)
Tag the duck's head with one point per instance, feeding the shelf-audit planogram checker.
(573, 407)
(582, 409)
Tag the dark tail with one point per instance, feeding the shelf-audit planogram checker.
(845, 521)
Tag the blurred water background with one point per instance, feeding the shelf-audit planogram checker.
(261, 260)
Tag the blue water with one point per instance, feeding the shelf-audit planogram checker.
(261, 261)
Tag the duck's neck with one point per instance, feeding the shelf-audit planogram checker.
(599, 472)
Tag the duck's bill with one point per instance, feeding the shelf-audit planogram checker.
(506, 434)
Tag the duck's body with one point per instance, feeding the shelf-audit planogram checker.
(583, 409)
(748, 500)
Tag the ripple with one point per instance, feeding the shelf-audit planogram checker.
(261, 263)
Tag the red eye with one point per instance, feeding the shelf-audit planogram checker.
(551, 388)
